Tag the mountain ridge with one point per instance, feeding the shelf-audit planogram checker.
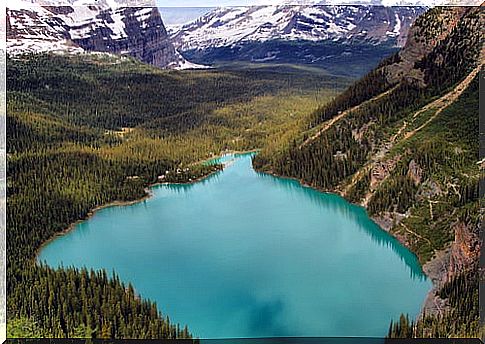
(226, 26)
(325, 36)
(138, 32)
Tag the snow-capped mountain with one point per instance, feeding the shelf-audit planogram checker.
(105, 27)
(425, 3)
(234, 25)
(325, 35)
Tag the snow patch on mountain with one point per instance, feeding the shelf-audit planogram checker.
(106, 27)
(21, 46)
(230, 26)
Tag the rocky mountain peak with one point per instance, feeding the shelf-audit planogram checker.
(235, 25)
(105, 27)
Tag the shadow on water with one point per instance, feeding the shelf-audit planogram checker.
(209, 269)
(354, 212)
(335, 203)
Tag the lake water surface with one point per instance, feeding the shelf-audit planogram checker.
(244, 254)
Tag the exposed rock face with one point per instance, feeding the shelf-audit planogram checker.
(428, 189)
(436, 270)
(135, 31)
(381, 171)
(387, 220)
(421, 40)
(359, 133)
(138, 32)
(465, 250)
(235, 25)
(415, 172)
(450, 262)
(32, 28)
(378, 173)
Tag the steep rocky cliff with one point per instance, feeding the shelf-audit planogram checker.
(429, 31)
(465, 249)
(138, 32)
(135, 31)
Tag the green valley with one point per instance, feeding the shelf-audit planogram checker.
(91, 130)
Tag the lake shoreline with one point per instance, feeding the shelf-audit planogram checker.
(90, 214)
(282, 203)
(148, 194)
(428, 268)
(432, 268)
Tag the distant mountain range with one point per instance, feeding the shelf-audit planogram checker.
(322, 35)
(235, 25)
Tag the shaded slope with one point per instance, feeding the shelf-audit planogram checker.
(382, 144)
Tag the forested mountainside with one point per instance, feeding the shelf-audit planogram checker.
(403, 142)
(84, 131)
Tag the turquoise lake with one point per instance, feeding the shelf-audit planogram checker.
(245, 254)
